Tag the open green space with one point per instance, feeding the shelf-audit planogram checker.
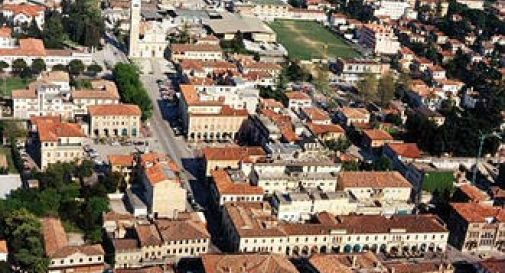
(438, 181)
(306, 40)
(12, 83)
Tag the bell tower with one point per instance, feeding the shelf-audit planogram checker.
(133, 49)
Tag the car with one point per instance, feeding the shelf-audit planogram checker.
(115, 143)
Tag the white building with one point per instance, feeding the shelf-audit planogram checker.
(393, 9)
(381, 39)
(24, 14)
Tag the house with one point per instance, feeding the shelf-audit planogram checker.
(24, 14)
(204, 52)
(476, 227)
(332, 263)
(401, 153)
(266, 10)
(391, 9)
(123, 164)
(380, 39)
(164, 193)
(65, 257)
(57, 141)
(114, 120)
(354, 116)
(232, 185)
(351, 71)
(298, 99)
(325, 132)
(229, 157)
(6, 39)
(247, 263)
(376, 138)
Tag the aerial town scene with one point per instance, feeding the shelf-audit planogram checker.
(252, 136)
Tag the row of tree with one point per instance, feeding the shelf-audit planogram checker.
(131, 88)
(21, 68)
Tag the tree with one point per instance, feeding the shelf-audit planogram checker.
(340, 144)
(33, 29)
(350, 166)
(22, 229)
(3, 66)
(75, 67)
(54, 34)
(382, 164)
(18, 65)
(60, 67)
(367, 87)
(131, 88)
(386, 89)
(84, 23)
(85, 169)
(402, 84)
(94, 68)
(38, 65)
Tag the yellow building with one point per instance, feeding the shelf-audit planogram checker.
(116, 120)
(208, 118)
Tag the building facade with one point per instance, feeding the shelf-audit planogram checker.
(116, 120)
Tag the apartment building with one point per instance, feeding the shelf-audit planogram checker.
(354, 116)
(310, 172)
(380, 39)
(351, 71)
(24, 14)
(51, 95)
(477, 227)
(393, 9)
(230, 156)
(247, 263)
(6, 39)
(377, 138)
(232, 185)
(123, 164)
(65, 257)
(207, 117)
(301, 206)
(389, 191)
(298, 100)
(114, 120)
(203, 52)
(30, 49)
(164, 193)
(162, 241)
(57, 141)
(252, 227)
(267, 10)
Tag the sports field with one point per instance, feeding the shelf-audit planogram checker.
(306, 40)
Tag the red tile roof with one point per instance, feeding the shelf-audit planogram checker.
(161, 172)
(121, 160)
(5, 32)
(407, 150)
(232, 153)
(316, 114)
(478, 212)
(372, 180)
(473, 193)
(114, 110)
(493, 265)
(377, 134)
(3, 246)
(30, 10)
(51, 129)
(297, 95)
(226, 186)
(54, 235)
(319, 129)
(247, 263)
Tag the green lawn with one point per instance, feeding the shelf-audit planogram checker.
(11, 84)
(306, 40)
(438, 181)
(10, 162)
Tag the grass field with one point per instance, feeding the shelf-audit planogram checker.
(439, 181)
(11, 84)
(306, 40)
(10, 162)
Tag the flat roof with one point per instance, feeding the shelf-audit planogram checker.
(231, 23)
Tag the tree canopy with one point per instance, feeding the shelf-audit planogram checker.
(131, 88)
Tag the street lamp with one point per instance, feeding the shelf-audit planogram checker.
(481, 143)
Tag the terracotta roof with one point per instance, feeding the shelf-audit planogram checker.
(5, 32)
(316, 114)
(478, 212)
(55, 76)
(161, 171)
(297, 95)
(24, 94)
(27, 47)
(225, 184)
(377, 134)
(343, 263)
(232, 153)
(407, 150)
(493, 265)
(319, 129)
(247, 263)
(3, 246)
(88, 250)
(419, 267)
(185, 229)
(190, 95)
(253, 219)
(355, 113)
(54, 235)
(181, 48)
(114, 110)
(271, 103)
(261, 66)
(116, 216)
(124, 245)
(30, 10)
(102, 89)
(372, 180)
(148, 235)
(121, 160)
(49, 129)
(473, 193)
